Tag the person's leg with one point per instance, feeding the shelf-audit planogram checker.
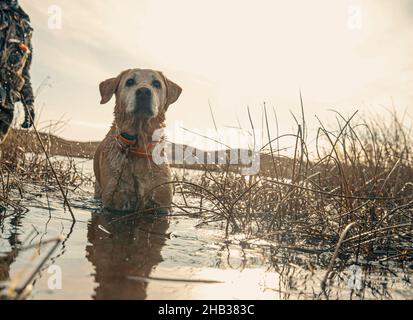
(28, 117)
(6, 119)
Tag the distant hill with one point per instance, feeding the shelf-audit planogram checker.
(56, 146)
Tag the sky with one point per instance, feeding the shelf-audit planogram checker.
(227, 56)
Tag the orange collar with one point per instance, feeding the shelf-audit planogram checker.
(127, 144)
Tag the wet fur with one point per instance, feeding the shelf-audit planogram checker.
(130, 183)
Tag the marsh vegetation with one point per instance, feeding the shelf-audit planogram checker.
(339, 200)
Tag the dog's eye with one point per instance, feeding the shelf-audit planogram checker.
(156, 84)
(130, 82)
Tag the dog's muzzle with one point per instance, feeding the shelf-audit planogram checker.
(144, 101)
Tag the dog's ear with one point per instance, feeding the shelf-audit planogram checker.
(109, 87)
(173, 92)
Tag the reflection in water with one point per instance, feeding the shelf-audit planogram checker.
(13, 231)
(124, 249)
(5, 263)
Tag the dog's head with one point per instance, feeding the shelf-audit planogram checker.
(140, 94)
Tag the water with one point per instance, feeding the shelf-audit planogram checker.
(143, 259)
(153, 258)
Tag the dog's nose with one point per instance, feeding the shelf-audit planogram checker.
(144, 93)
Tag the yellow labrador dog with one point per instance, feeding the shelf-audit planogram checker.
(127, 179)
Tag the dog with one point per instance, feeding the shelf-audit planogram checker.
(127, 178)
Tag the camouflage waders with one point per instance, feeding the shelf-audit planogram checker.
(15, 61)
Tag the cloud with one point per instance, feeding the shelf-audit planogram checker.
(232, 53)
